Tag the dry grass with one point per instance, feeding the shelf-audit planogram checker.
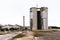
(2, 33)
(38, 33)
(6, 32)
(18, 36)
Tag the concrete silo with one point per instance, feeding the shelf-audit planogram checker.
(39, 18)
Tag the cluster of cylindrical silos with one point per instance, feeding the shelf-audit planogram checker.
(39, 18)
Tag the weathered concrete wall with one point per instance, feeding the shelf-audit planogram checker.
(44, 16)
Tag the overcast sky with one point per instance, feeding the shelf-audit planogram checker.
(12, 11)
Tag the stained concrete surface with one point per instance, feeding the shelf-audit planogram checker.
(8, 36)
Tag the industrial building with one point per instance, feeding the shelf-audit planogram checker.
(39, 18)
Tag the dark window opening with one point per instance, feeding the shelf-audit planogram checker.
(39, 20)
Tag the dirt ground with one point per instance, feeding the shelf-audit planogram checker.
(33, 35)
(45, 35)
(50, 36)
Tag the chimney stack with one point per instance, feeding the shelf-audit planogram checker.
(23, 21)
